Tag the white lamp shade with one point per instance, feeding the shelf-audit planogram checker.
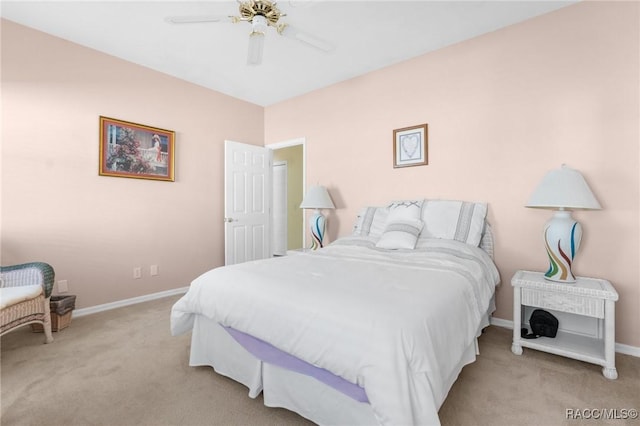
(317, 197)
(563, 188)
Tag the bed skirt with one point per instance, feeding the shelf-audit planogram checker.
(212, 345)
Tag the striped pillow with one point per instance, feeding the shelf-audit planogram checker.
(400, 234)
(371, 221)
(454, 220)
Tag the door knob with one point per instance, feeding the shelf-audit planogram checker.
(228, 219)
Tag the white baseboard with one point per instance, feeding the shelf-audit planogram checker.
(498, 322)
(127, 302)
(628, 350)
(620, 348)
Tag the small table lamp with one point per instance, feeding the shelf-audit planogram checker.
(562, 189)
(317, 197)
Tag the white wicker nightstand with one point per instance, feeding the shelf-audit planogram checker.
(588, 297)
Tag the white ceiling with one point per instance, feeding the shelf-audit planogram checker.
(367, 35)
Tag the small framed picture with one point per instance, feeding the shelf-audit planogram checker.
(410, 147)
(136, 151)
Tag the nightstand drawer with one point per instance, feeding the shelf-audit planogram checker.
(574, 304)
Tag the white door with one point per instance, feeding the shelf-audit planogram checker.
(279, 203)
(247, 202)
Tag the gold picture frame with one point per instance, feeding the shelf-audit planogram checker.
(136, 151)
(410, 146)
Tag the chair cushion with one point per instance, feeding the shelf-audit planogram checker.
(12, 295)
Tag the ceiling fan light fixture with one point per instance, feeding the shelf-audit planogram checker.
(259, 24)
(256, 46)
(256, 40)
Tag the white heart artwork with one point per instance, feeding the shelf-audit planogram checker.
(409, 145)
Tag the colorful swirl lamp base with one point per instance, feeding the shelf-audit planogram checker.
(562, 236)
(318, 224)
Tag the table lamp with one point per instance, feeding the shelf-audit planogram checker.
(562, 190)
(317, 197)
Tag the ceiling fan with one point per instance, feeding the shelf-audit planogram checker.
(261, 14)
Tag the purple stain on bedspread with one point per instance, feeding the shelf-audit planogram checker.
(272, 355)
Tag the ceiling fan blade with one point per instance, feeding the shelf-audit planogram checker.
(256, 45)
(198, 19)
(313, 41)
(303, 3)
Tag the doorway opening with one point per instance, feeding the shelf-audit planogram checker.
(279, 211)
(291, 152)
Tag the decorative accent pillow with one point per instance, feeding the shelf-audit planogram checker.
(371, 221)
(454, 220)
(400, 234)
(486, 242)
(405, 210)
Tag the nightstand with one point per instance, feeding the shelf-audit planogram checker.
(587, 297)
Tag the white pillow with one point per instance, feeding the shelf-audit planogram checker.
(405, 210)
(454, 220)
(400, 234)
(486, 242)
(371, 221)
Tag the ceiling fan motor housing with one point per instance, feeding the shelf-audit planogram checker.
(265, 8)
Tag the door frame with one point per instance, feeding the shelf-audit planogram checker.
(273, 207)
(286, 144)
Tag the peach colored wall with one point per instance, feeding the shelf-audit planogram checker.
(94, 229)
(502, 110)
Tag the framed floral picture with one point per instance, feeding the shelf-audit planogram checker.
(136, 151)
(410, 147)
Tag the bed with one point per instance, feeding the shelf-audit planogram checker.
(373, 329)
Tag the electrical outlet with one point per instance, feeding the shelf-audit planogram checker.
(63, 286)
(137, 272)
(153, 270)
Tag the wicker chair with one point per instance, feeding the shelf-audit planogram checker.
(25, 291)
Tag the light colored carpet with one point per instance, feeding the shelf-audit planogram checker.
(122, 367)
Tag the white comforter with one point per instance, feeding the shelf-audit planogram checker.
(394, 322)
